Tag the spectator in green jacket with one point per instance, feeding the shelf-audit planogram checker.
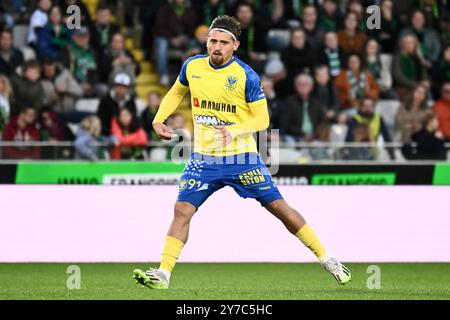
(80, 59)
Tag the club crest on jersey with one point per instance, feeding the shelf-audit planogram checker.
(231, 83)
(183, 184)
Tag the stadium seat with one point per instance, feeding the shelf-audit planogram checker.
(388, 110)
(73, 127)
(338, 133)
(91, 105)
(290, 155)
(146, 67)
(386, 62)
(91, 6)
(129, 44)
(143, 91)
(87, 105)
(386, 59)
(138, 55)
(28, 53)
(158, 154)
(20, 34)
(140, 106)
(147, 79)
(278, 39)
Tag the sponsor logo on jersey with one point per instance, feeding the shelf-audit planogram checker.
(195, 102)
(214, 105)
(210, 120)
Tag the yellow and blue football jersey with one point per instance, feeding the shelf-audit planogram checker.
(221, 96)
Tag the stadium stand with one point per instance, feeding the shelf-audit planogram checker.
(266, 35)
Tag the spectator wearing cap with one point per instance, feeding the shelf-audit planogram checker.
(80, 59)
(27, 87)
(103, 29)
(10, 57)
(38, 20)
(116, 59)
(442, 110)
(174, 25)
(22, 128)
(298, 57)
(54, 36)
(60, 88)
(119, 97)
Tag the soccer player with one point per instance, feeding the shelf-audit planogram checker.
(228, 106)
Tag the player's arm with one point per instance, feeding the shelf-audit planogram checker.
(258, 122)
(257, 105)
(168, 105)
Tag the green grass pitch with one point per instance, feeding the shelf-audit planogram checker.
(225, 281)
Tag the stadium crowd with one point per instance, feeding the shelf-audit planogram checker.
(321, 67)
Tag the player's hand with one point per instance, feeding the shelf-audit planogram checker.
(223, 136)
(163, 131)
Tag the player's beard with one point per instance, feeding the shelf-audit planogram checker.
(217, 59)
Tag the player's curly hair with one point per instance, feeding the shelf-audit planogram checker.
(228, 23)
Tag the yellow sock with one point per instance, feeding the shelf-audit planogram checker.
(170, 253)
(310, 240)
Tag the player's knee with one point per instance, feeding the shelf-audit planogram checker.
(183, 211)
(277, 206)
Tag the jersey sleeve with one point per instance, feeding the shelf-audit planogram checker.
(183, 77)
(253, 87)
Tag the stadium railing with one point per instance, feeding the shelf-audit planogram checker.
(283, 153)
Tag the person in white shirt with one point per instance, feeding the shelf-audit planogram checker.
(38, 19)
